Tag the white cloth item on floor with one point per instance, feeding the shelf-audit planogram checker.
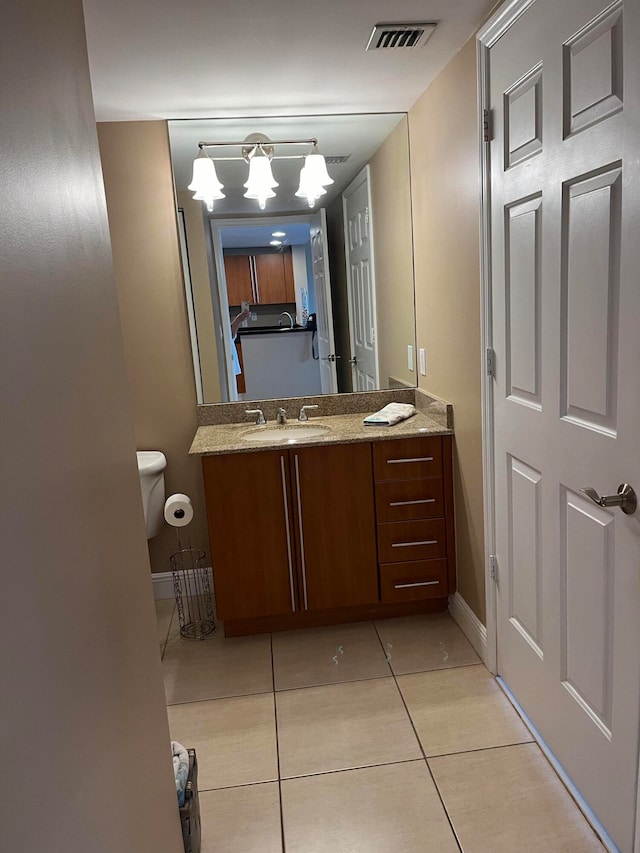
(180, 768)
(391, 414)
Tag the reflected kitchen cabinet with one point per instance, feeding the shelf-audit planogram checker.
(261, 279)
(237, 270)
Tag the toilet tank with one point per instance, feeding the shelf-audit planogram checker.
(151, 466)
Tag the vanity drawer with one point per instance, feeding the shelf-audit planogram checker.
(407, 458)
(413, 581)
(404, 500)
(400, 541)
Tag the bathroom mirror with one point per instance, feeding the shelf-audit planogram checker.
(329, 287)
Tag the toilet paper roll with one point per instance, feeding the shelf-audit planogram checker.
(178, 511)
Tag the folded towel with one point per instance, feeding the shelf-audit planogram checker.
(180, 769)
(391, 414)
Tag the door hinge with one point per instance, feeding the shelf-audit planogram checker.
(493, 567)
(491, 362)
(487, 126)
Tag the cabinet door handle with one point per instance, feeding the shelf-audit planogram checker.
(412, 503)
(412, 585)
(412, 459)
(409, 544)
(286, 525)
(254, 278)
(302, 560)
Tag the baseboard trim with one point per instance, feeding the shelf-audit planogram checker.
(469, 624)
(163, 584)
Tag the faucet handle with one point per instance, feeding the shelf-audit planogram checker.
(260, 419)
(303, 416)
(281, 417)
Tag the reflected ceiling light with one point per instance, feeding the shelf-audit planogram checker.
(204, 183)
(258, 151)
(279, 234)
(275, 242)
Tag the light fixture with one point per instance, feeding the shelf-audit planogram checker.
(275, 242)
(260, 183)
(258, 151)
(309, 188)
(204, 182)
(316, 167)
(279, 234)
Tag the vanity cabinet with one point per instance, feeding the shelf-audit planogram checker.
(414, 511)
(263, 279)
(338, 532)
(291, 531)
(249, 514)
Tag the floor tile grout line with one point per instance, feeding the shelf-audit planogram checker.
(429, 771)
(350, 769)
(479, 749)
(275, 719)
(219, 698)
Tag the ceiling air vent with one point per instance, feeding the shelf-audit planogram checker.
(336, 159)
(386, 36)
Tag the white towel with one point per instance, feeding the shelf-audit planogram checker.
(391, 414)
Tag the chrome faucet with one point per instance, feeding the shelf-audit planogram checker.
(260, 415)
(303, 416)
(286, 314)
(281, 417)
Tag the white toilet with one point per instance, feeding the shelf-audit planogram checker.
(151, 465)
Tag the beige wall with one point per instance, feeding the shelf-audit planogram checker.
(393, 254)
(139, 187)
(85, 738)
(444, 165)
(201, 288)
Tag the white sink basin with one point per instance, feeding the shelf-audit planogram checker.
(285, 432)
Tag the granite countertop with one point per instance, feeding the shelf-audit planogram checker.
(344, 428)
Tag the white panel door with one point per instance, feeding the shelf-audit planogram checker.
(356, 203)
(565, 259)
(324, 310)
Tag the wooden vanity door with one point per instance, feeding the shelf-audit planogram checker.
(250, 520)
(335, 525)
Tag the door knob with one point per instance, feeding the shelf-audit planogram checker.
(625, 499)
(353, 360)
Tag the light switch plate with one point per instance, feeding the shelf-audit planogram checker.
(410, 362)
(423, 361)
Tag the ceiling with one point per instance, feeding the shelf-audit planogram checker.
(252, 236)
(154, 59)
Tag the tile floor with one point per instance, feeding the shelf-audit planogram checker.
(385, 737)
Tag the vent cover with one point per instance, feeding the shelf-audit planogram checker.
(336, 159)
(387, 36)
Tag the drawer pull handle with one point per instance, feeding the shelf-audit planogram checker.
(412, 503)
(411, 585)
(288, 532)
(410, 544)
(303, 563)
(412, 459)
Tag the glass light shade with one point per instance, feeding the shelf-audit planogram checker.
(205, 182)
(317, 168)
(260, 182)
(204, 177)
(309, 188)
